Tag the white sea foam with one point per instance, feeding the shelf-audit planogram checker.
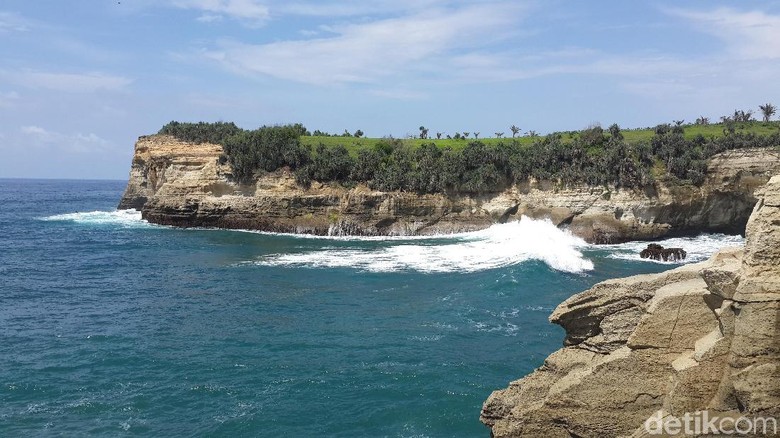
(498, 246)
(699, 248)
(123, 218)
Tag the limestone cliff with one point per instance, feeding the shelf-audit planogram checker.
(177, 183)
(703, 337)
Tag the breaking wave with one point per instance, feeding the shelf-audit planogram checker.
(123, 218)
(699, 248)
(498, 246)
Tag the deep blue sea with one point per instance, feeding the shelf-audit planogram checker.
(110, 326)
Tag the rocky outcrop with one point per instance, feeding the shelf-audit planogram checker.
(702, 338)
(182, 184)
(655, 251)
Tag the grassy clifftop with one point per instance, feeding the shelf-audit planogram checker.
(593, 156)
(632, 136)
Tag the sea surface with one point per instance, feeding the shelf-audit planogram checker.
(110, 326)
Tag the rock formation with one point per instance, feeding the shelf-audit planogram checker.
(655, 251)
(183, 184)
(702, 339)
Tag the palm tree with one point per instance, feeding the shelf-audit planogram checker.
(499, 134)
(476, 135)
(515, 130)
(769, 110)
(423, 132)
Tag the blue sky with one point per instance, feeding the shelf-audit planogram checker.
(80, 80)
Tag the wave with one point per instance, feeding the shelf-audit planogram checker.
(122, 218)
(699, 248)
(495, 247)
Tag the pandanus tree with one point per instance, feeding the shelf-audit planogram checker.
(515, 130)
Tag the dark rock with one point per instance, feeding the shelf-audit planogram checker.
(655, 251)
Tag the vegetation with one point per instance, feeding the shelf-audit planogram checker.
(458, 163)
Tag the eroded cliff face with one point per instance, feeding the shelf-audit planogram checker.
(703, 337)
(182, 184)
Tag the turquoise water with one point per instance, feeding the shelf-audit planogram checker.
(111, 326)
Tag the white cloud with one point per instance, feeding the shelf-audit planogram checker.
(78, 143)
(11, 22)
(209, 18)
(9, 99)
(399, 94)
(367, 51)
(752, 35)
(68, 82)
(352, 8)
(251, 12)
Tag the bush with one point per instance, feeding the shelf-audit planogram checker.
(266, 149)
(201, 132)
(594, 157)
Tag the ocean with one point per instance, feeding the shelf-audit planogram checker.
(111, 326)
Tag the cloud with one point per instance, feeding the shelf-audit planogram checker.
(11, 22)
(68, 82)
(398, 94)
(250, 12)
(752, 35)
(365, 52)
(78, 143)
(352, 8)
(9, 99)
(209, 18)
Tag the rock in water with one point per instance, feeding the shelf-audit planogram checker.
(657, 252)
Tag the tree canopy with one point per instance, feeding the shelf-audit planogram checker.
(594, 156)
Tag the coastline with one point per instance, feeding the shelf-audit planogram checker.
(652, 349)
(183, 184)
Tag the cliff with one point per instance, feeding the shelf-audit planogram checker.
(703, 338)
(182, 184)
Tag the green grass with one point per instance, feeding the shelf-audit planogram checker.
(631, 135)
(355, 144)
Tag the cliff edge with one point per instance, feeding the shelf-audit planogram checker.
(700, 341)
(184, 184)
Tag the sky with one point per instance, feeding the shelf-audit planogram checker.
(81, 80)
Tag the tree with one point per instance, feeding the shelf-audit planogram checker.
(500, 134)
(358, 133)
(743, 116)
(515, 130)
(614, 132)
(423, 132)
(476, 135)
(466, 134)
(703, 120)
(438, 136)
(768, 110)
